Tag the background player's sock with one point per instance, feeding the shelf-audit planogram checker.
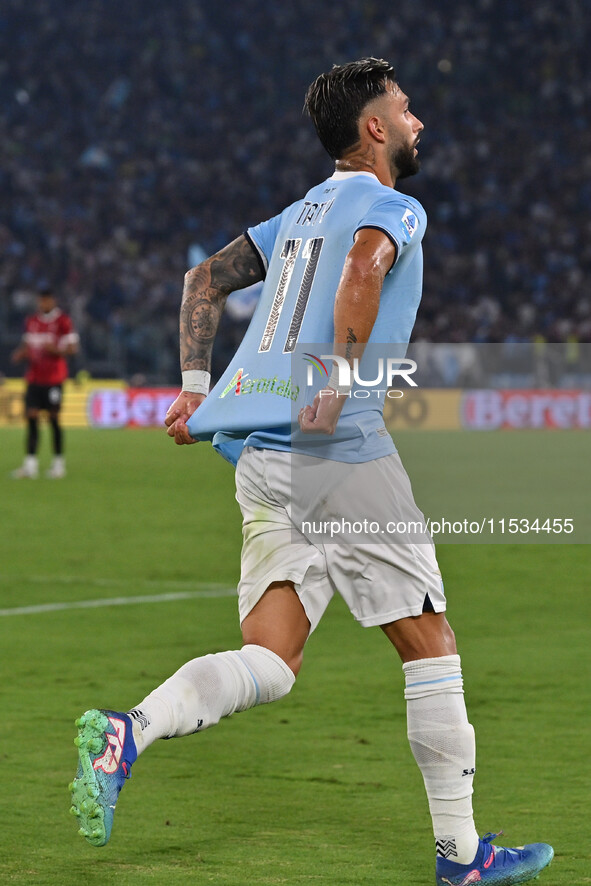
(443, 744)
(58, 437)
(206, 689)
(31, 465)
(32, 436)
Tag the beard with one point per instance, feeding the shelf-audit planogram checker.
(405, 162)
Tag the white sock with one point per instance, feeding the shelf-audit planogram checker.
(31, 463)
(443, 744)
(208, 688)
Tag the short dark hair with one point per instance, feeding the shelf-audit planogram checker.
(336, 99)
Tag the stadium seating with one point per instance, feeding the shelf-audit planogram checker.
(126, 140)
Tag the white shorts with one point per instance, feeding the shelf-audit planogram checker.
(303, 521)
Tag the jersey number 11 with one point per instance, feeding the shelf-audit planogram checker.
(289, 254)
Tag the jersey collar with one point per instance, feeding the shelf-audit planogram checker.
(49, 318)
(339, 175)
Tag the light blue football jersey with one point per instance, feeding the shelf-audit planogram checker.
(277, 368)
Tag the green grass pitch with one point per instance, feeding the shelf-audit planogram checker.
(320, 788)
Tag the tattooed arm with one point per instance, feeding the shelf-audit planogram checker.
(206, 289)
(204, 295)
(355, 311)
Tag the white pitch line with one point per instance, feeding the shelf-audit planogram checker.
(99, 582)
(119, 601)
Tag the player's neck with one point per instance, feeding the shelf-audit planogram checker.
(366, 159)
(48, 316)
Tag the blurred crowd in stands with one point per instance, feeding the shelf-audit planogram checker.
(137, 136)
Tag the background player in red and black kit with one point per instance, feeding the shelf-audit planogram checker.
(49, 338)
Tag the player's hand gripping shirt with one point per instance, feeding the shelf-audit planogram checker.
(54, 329)
(278, 367)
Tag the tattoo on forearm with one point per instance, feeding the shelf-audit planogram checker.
(204, 295)
(351, 340)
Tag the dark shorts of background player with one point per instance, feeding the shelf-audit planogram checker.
(46, 398)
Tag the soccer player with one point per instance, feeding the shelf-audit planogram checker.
(49, 338)
(341, 266)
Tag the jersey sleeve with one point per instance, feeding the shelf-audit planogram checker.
(262, 238)
(67, 334)
(397, 219)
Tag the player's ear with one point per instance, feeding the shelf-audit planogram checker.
(376, 128)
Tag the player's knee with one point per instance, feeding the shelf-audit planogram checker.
(448, 636)
(294, 662)
(273, 676)
(291, 658)
(288, 646)
(425, 636)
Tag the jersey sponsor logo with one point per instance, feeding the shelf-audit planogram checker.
(111, 758)
(410, 222)
(241, 384)
(40, 339)
(235, 383)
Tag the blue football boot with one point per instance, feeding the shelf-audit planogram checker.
(495, 865)
(106, 752)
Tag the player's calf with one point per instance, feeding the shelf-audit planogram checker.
(206, 689)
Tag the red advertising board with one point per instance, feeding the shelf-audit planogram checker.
(514, 409)
(482, 410)
(130, 407)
